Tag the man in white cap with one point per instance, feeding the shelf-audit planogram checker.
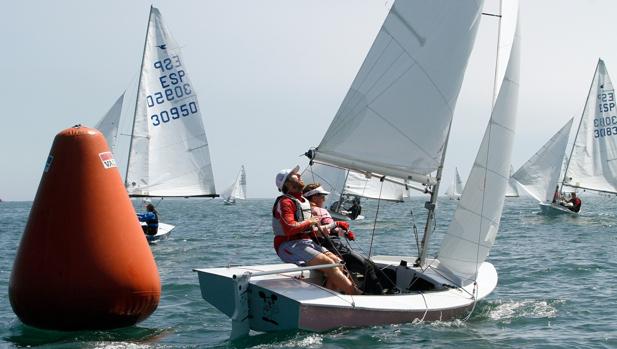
(293, 225)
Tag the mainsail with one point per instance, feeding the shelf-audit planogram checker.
(592, 164)
(168, 154)
(474, 227)
(396, 117)
(539, 176)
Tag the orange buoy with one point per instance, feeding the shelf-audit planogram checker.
(83, 262)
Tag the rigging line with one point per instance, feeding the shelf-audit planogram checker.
(370, 249)
(475, 301)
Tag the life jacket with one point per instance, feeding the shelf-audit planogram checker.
(152, 224)
(577, 205)
(302, 213)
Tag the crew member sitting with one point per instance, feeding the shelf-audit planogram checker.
(293, 225)
(151, 218)
(574, 204)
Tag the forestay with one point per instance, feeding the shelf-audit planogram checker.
(473, 229)
(109, 124)
(169, 152)
(396, 116)
(593, 162)
(540, 174)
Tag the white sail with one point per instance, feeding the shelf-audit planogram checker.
(539, 176)
(593, 161)
(237, 191)
(339, 182)
(512, 188)
(396, 116)
(169, 152)
(108, 125)
(473, 229)
(456, 188)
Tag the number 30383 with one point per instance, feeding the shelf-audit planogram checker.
(175, 113)
(602, 132)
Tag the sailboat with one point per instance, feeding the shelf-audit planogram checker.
(539, 176)
(512, 189)
(592, 164)
(168, 153)
(456, 188)
(237, 191)
(345, 186)
(411, 76)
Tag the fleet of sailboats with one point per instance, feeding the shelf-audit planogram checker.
(168, 153)
(410, 77)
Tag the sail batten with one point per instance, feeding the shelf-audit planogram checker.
(396, 115)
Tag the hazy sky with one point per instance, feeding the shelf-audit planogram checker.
(270, 75)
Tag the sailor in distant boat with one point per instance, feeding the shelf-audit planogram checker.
(355, 209)
(151, 218)
(293, 227)
(354, 262)
(574, 204)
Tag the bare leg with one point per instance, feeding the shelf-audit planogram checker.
(337, 281)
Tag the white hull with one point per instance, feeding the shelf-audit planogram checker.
(341, 217)
(162, 234)
(553, 209)
(296, 299)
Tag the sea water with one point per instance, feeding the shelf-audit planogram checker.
(557, 279)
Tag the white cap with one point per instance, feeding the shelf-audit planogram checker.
(281, 177)
(318, 190)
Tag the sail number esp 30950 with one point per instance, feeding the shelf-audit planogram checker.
(605, 125)
(175, 90)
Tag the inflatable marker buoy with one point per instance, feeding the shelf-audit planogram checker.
(83, 262)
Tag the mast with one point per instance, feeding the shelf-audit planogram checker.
(497, 54)
(141, 72)
(431, 204)
(565, 172)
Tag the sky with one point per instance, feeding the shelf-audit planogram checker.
(270, 75)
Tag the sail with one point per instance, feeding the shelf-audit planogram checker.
(108, 125)
(169, 153)
(339, 181)
(540, 174)
(473, 229)
(237, 191)
(512, 188)
(396, 116)
(593, 161)
(456, 188)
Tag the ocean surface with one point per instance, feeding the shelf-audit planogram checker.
(557, 280)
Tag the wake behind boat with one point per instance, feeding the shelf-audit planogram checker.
(401, 77)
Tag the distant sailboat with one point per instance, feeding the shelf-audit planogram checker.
(539, 176)
(168, 154)
(456, 188)
(410, 77)
(512, 189)
(237, 191)
(345, 186)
